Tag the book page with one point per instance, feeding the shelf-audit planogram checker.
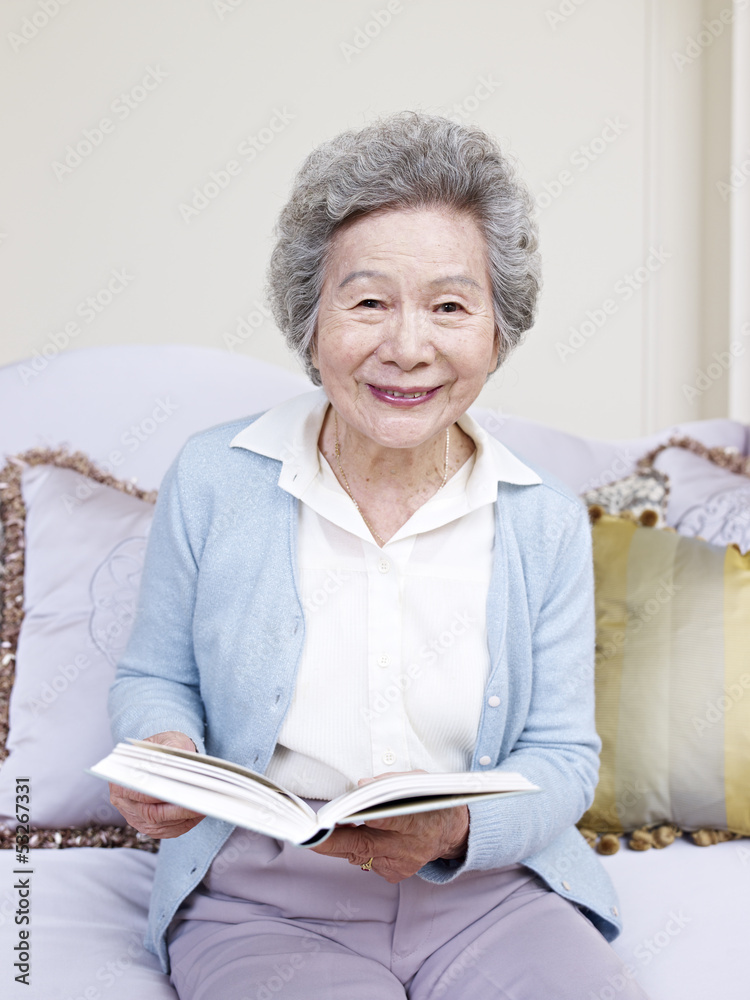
(400, 794)
(219, 804)
(204, 762)
(427, 803)
(204, 775)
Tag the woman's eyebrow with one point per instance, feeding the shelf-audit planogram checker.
(362, 274)
(460, 279)
(453, 279)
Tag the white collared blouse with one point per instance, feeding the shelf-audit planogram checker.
(395, 660)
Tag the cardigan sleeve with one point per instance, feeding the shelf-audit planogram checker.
(558, 748)
(156, 685)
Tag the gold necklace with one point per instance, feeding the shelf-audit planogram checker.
(337, 452)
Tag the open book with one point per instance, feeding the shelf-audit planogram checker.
(238, 795)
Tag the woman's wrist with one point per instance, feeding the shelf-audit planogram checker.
(460, 841)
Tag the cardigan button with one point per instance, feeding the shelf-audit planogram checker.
(493, 701)
(615, 912)
(484, 761)
(566, 886)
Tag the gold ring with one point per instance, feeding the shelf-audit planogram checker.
(367, 866)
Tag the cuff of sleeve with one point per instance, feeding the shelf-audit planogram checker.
(483, 850)
(160, 725)
(442, 870)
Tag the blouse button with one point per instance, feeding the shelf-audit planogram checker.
(384, 565)
(494, 701)
(383, 660)
(484, 761)
(389, 757)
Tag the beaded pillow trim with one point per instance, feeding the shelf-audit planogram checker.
(725, 458)
(633, 496)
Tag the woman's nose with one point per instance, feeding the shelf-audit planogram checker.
(407, 341)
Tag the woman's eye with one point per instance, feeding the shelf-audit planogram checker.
(449, 307)
(370, 303)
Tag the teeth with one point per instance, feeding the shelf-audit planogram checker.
(405, 395)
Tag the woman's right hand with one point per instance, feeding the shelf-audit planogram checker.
(152, 816)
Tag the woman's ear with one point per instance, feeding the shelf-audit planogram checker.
(495, 353)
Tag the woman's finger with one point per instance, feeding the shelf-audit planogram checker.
(123, 794)
(139, 804)
(154, 817)
(348, 841)
(166, 812)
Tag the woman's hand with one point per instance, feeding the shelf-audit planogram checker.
(152, 816)
(400, 845)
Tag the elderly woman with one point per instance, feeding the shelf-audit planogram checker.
(361, 581)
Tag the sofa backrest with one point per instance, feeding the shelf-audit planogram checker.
(131, 407)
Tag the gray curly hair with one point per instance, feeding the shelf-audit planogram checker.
(407, 160)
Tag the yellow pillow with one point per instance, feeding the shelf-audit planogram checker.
(672, 680)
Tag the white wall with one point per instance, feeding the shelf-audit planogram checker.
(739, 271)
(546, 76)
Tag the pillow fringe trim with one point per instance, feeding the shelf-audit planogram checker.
(657, 835)
(89, 836)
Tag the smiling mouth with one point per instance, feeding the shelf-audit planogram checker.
(398, 394)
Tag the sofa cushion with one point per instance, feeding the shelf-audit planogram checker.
(672, 680)
(88, 921)
(678, 907)
(75, 545)
(706, 500)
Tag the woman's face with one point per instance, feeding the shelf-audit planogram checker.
(406, 307)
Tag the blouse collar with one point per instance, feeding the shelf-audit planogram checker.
(289, 433)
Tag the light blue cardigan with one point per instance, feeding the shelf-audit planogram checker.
(219, 632)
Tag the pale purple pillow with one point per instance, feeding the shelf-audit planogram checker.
(706, 500)
(584, 463)
(84, 547)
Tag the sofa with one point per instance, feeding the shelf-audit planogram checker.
(98, 428)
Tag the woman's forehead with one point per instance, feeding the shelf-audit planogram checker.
(439, 242)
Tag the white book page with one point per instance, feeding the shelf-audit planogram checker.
(400, 794)
(204, 776)
(406, 807)
(206, 764)
(222, 805)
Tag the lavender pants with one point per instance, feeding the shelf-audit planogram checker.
(271, 920)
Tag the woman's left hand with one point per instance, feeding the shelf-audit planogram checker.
(401, 845)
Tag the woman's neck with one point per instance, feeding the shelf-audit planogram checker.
(390, 484)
